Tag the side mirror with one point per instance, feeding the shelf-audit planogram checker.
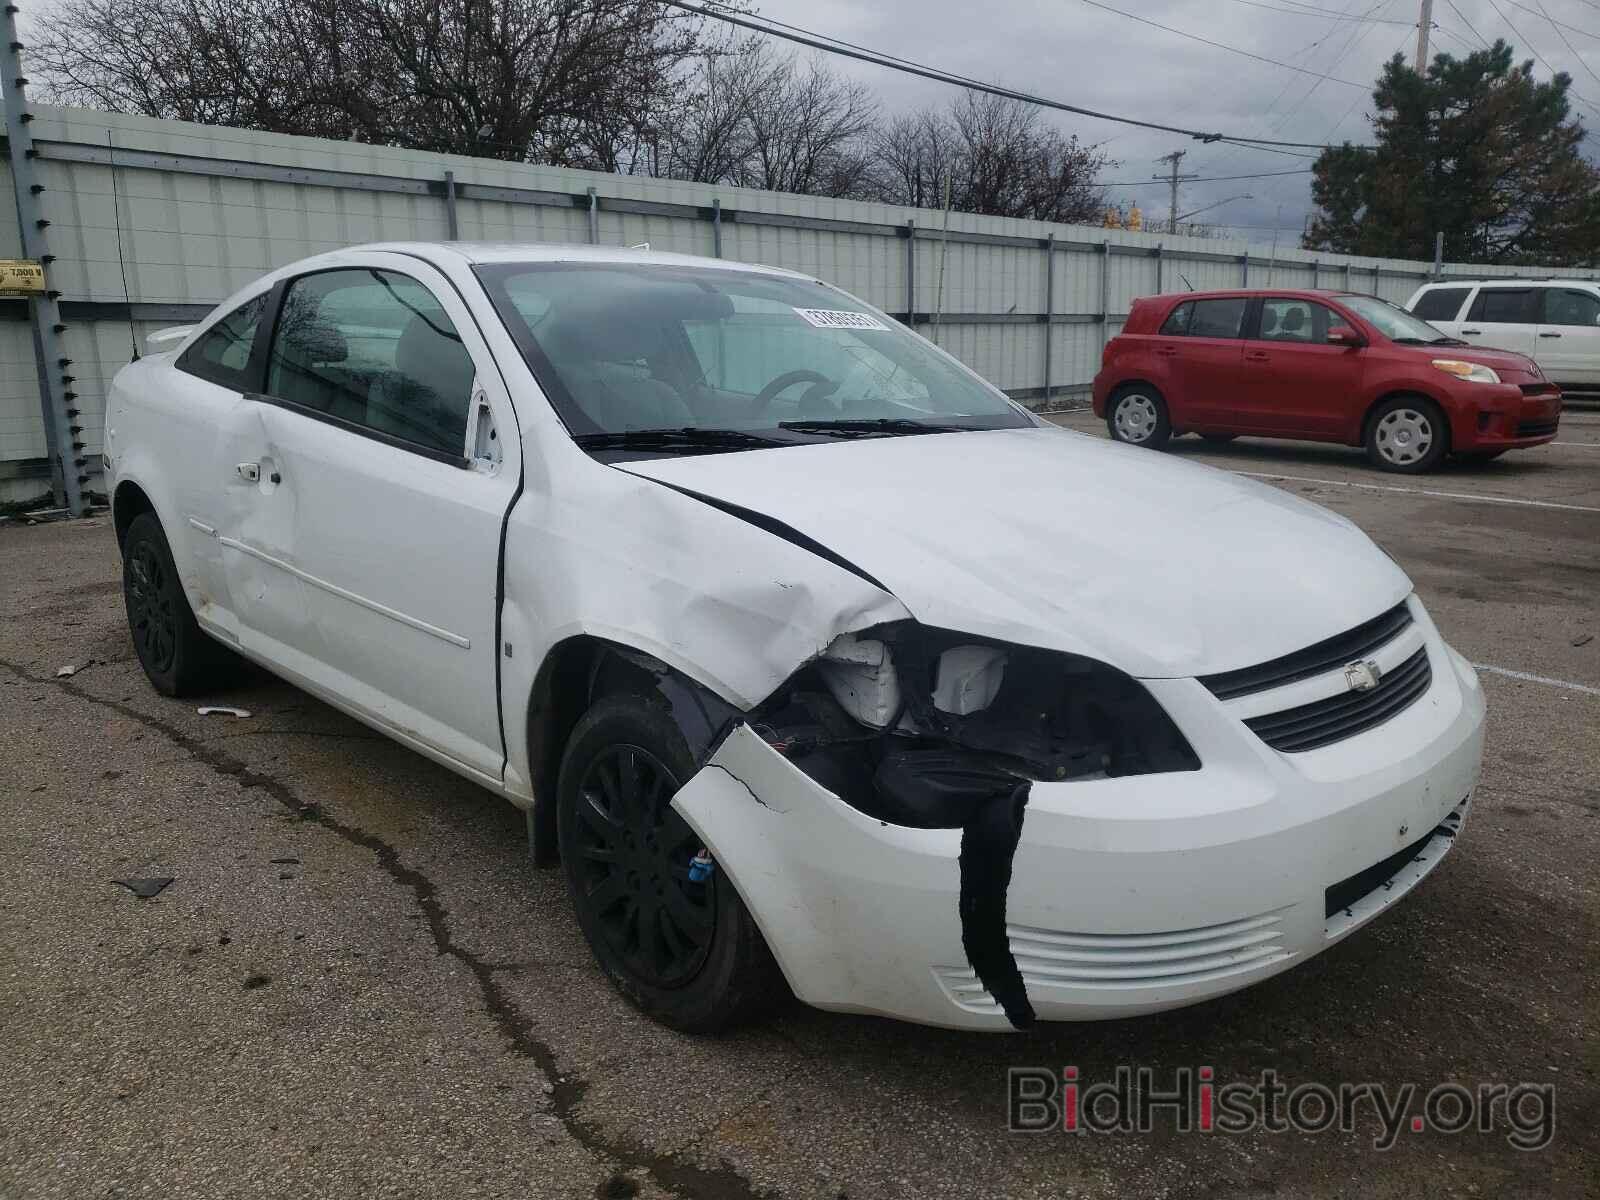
(1343, 335)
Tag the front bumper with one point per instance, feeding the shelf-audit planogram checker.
(1127, 895)
(1506, 420)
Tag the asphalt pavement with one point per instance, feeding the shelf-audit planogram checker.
(356, 984)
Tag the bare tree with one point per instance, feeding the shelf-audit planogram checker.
(999, 156)
(572, 82)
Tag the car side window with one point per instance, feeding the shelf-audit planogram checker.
(222, 354)
(1440, 304)
(376, 350)
(1287, 320)
(1218, 318)
(1565, 306)
(1177, 322)
(1503, 306)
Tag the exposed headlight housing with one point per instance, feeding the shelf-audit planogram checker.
(1470, 371)
(921, 726)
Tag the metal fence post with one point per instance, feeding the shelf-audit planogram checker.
(68, 464)
(1347, 275)
(450, 205)
(911, 274)
(1160, 262)
(1316, 274)
(594, 218)
(716, 226)
(1244, 269)
(1049, 308)
(1105, 292)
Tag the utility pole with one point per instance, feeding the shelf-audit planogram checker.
(1424, 24)
(1172, 180)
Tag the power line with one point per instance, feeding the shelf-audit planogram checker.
(1468, 24)
(1195, 37)
(1518, 33)
(1209, 178)
(1540, 13)
(829, 45)
(1311, 12)
(1568, 44)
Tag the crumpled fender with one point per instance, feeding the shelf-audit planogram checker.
(627, 560)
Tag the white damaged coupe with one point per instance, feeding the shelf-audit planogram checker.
(804, 649)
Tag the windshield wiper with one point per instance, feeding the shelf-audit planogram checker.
(870, 427)
(688, 437)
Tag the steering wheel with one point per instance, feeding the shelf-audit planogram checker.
(764, 399)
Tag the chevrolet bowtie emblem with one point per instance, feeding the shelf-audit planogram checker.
(1362, 676)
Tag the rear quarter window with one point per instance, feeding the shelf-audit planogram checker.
(222, 354)
(1177, 322)
(1218, 318)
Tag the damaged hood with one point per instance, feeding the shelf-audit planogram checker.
(1038, 536)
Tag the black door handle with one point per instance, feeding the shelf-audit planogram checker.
(1472, 332)
(1549, 335)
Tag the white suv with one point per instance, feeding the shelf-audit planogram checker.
(1556, 322)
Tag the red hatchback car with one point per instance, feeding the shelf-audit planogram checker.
(1319, 366)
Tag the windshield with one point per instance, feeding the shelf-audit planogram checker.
(1394, 323)
(726, 359)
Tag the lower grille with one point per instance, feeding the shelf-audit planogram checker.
(1347, 892)
(1537, 428)
(1109, 961)
(1323, 722)
(1539, 389)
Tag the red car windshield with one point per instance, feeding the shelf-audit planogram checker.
(1394, 323)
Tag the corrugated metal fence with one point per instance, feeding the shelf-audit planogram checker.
(189, 213)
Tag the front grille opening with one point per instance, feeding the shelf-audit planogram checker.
(1323, 722)
(1315, 659)
(1537, 428)
(1349, 891)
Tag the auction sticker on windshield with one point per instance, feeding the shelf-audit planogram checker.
(833, 318)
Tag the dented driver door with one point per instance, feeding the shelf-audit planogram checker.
(369, 484)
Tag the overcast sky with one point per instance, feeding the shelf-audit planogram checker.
(1072, 51)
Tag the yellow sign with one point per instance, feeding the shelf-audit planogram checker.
(21, 277)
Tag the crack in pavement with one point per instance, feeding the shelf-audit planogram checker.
(680, 1178)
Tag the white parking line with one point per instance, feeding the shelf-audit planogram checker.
(1579, 445)
(1560, 683)
(1378, 487)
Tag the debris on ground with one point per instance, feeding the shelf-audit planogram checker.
(145, 888)
(1584, 640)
(205, 710)
(66, 671)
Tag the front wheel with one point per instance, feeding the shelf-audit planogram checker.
(1407, 434)
(1138, 416)
(671, 933)
(177, 656)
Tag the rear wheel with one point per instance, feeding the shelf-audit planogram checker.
(177, 656)
(676, 941)
(1407, 434)
(1137, 415)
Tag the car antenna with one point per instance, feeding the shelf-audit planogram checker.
(1186, 282)
(122, 263)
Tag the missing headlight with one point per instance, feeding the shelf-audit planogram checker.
(922, 727)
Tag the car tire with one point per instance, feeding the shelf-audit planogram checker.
(1407, 434)
(1137, 415)
(703, 965)
(1218, 437)
(177, 655)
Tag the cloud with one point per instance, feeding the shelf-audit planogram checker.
(1070, 51)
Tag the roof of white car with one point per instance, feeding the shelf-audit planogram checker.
(494, 252)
